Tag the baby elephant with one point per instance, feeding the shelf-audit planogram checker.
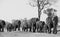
(40, 25)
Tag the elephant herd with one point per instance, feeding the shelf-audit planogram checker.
(33, 24)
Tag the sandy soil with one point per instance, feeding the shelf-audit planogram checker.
(28, 34)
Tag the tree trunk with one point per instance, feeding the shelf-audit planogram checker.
(39, 13)
(39, 10)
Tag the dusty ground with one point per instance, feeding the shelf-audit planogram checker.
(28, 34)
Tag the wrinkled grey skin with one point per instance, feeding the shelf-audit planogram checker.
(24, 25)
(30, 24)
(2, 25)
(16, 24)
(51, 21)
(55, 23)
(33, 22)
(40, 25)
(9, 27)
(49, 24)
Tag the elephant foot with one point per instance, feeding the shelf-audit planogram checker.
(45, 31)
(38, 30)
(14, 29)
(33, 30)
(54, 32)
(2, 30)
(49, 32)
(8, 30)
(30, 31)
(18, 29)
(26, 29)
(23, 29)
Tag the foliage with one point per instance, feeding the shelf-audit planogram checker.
(34, 3)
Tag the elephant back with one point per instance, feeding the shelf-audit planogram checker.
(40, 23)
(16, 22)
(2, 23)
(34, 20)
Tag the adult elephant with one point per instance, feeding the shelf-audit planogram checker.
(24, 25)
(29, 24)
(33, 23)
(49, 25)
(2, 25)
(55, 23)
(9, 26)
(16, 24)
(40, 26)
(51, 21)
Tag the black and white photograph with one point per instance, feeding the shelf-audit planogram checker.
(29, 18)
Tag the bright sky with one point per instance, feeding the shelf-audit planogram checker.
(19, 9)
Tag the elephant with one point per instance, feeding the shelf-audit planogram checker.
(51, 23)
(24, 25)
(29, 24)
(40, 26)
(16, 24)
(55, 23)
(33, 23)
(9, 26)
(51, 20)
(2, 25)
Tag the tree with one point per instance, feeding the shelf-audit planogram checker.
(41, 4)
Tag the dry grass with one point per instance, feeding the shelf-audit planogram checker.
(28, 34)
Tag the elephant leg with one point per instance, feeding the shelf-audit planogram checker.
(45, 28)
(34, 29)
(18, 28)
(2, 29)
(41, 29)
(30, 29)
(37, 29)
(23, 29)
(7, 29)
(55, 30)
(49, 29)
(14, 29)
(10, 29)
(27, 29)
